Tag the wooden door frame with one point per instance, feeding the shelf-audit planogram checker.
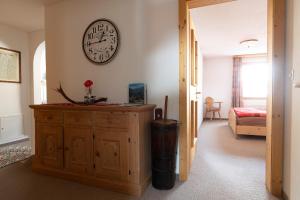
(276, 52)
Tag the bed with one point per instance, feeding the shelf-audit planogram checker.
(248, 121)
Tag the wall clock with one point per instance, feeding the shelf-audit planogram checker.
(101, 41)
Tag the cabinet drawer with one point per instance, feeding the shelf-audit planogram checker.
(111, 119)
(49, 116)
(78, 118)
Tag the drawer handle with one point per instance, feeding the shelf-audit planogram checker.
(66, 148)
(115, 154)
(97, 154)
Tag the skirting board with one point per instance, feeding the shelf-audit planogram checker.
(13, 140)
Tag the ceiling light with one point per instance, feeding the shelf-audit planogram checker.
(249, 43)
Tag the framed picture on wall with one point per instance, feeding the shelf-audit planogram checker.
(10, 65)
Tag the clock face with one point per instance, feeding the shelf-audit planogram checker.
(100, 41)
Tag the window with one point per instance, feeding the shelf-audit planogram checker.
(39, 75)
(254, 77)
(43, 77)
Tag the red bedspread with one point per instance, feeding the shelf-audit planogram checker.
(250, 112)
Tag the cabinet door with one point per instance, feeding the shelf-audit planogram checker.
(111, 154)
(50, 145)
(78, 149)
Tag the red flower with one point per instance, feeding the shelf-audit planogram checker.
(88, 83)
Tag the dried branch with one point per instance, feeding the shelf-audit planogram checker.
(62, 92)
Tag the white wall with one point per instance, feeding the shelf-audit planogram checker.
(292, 122)
(217, 81)
(15, 97)
(148, 52)
(288, 101)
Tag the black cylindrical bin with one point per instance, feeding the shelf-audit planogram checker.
(164, 150)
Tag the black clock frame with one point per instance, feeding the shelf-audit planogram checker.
(118, 43)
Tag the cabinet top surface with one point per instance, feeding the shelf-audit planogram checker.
(97, 107)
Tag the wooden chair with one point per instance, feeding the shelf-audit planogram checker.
(210, 108)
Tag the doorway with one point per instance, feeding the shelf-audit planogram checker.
(39, 75)
(276, 60)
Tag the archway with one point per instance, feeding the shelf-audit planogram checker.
(39, 75)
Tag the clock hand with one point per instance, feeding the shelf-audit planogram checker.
(102, 35)
(99, 36)
(95, 42)
(100, 40)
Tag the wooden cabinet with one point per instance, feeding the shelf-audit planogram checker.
(78, 149)
(106, 146)
(51, 145)
(111, 154)
(50, 116)
(73, 118)
(112, 119)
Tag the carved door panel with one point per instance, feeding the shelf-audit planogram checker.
(51, 145)
(78, 149)
(194, 94)
(111, 154)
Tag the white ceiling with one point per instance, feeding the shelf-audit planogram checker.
(27, 15)
(221, 28)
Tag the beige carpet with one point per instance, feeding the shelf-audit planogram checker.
(224, 169)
